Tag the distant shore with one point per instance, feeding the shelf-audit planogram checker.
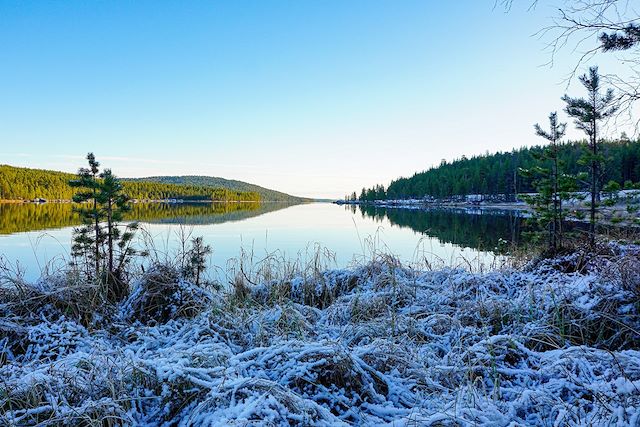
(607, 212)
(426, 204)
(422, 204)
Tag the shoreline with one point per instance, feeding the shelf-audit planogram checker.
(420, 204)
(607, 212)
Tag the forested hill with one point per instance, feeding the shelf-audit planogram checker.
(216, 182)
(25, 184)
(498, 173)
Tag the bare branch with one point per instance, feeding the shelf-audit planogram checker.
(592, 28)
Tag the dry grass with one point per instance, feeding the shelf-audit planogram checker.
(291, 342)
(162, 295)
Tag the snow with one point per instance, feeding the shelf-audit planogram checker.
(377, 345)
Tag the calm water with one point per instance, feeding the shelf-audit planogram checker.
(34, 235)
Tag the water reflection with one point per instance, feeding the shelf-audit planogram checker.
(17, 218)
(472, 228)
(33, 235)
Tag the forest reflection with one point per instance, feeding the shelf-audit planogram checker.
(16, 218)
(473, 229)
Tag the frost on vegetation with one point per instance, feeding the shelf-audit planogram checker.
(162, 294)
(555, 343)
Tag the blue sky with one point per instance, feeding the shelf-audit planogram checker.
(315, 98)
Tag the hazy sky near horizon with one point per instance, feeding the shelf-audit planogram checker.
(314, 98)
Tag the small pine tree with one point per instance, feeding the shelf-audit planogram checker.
(552, 185)
(197, 259)
(82, 250)
(588, 113)
(89, 236)
(113, 205)
(100, 240)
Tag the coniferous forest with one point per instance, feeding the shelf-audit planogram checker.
(27, 184)
(498, 173)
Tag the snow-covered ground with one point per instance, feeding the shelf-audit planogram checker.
(556, 343)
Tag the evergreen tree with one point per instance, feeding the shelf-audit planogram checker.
(552, 185)
(113, 205)
(83, 250)
(197, 258)
(588, 112)
(88, 184)
(98, 244)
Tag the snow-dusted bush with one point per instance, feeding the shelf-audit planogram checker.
(162, 295)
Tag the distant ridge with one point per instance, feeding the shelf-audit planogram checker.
(20, 183)
(217, 182)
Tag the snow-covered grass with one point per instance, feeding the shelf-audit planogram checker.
(555, 343)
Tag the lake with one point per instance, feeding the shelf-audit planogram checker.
(39, 235)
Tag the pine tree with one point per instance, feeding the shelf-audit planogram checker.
(588, 112)
(113, 205)
(82, 248)
(197, 259)
(88, 184)
(552, 185)
(105, 246)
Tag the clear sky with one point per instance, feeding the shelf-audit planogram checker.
(314, 98)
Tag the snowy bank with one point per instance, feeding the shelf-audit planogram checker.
(556, 343)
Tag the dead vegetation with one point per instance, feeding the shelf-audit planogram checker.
(162, 294)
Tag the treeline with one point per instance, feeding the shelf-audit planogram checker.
(28, 184)
(493, 174)
(159, 191)
(217, 182)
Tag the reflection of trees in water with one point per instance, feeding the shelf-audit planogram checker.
(478, 231)
(16, 218)
(202, 214)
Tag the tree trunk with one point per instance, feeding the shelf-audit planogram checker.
(556, 213)
(97, 230)
(110, 236)
(594, 188)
